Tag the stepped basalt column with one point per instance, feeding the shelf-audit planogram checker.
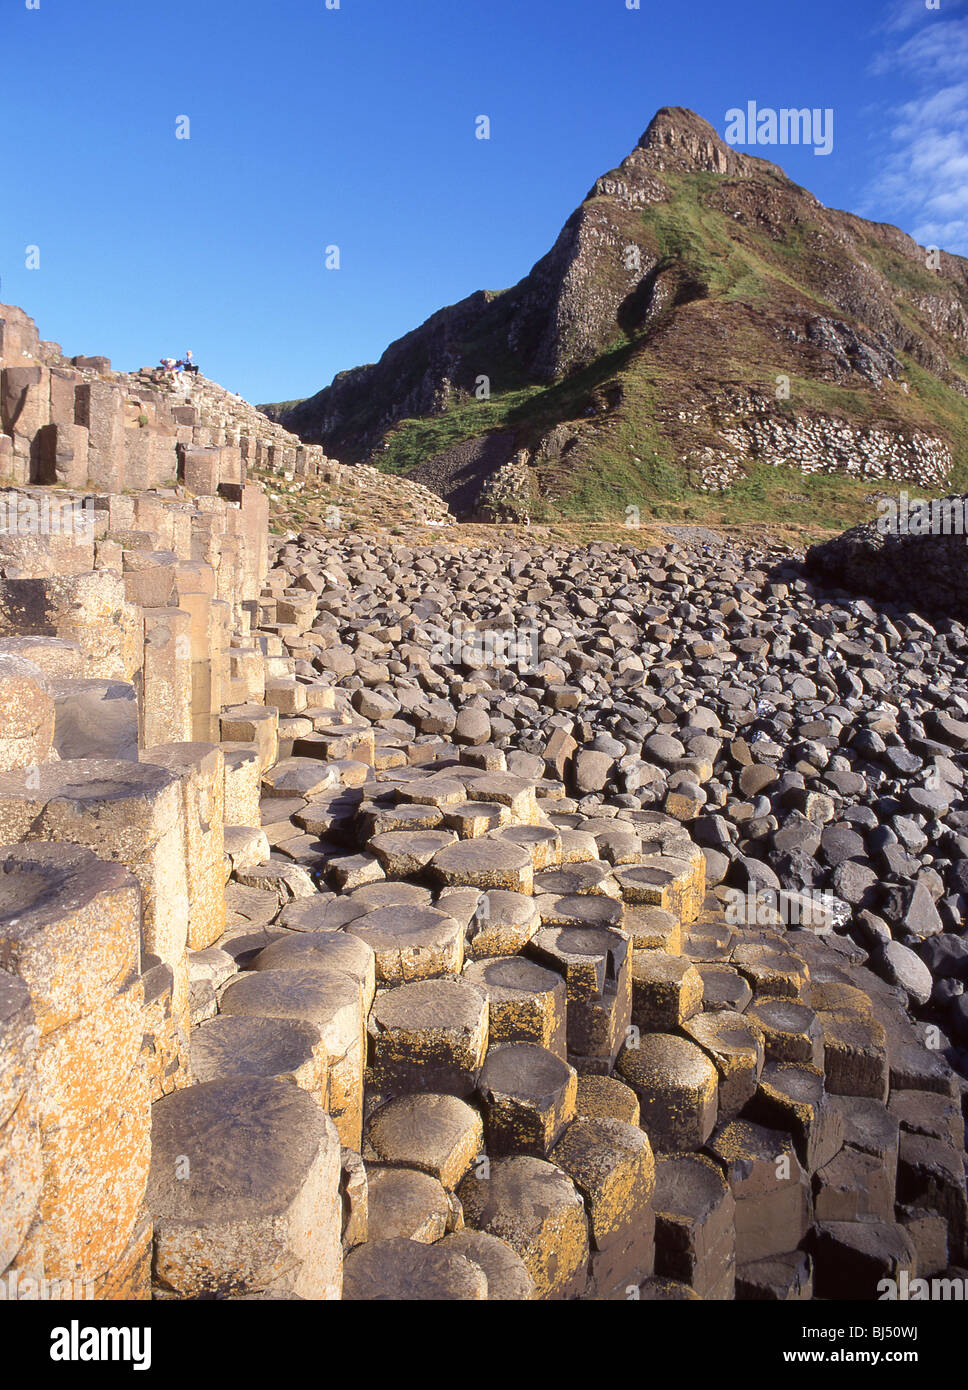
(120, 611)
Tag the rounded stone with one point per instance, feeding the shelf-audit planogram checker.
(406, 1204)
(408, 1271)
(508, 1279)
(900, 966)
(473, 726)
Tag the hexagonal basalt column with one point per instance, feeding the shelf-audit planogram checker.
(612, 1166)
(410, 942)
(771, 1190)
(653, 929)
(330, 1000)
(21, 1168)
(772, 970)
(69, 928)
(26, 714)
(676, 885)
(528, 1096)
(606, 1098)
(200, 766)
(596, 967)
(792, 1097)
(855, 1056)
(485, 863)
(677, 1087)
(516, 793)
(89, 609)
(242, 784)
(526, 1002)
(543, 843)
(709, 941)
(405, 852)
(244, 1191)
(791, 1031)
(593, 878)
(405, 1203)
(695, 1232)
(374, 819)
(439, 1135)
(128, 812)
(580, 910)
(735, 1045)
(326, 951)
(534, 1207)
(429, 1036)
(724, 988)
(95, 1125)
(470, 820)
(283, 1049)
(502, 924)
(508, 1280)
(666, 991)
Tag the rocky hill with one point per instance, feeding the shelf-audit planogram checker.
(647, 358)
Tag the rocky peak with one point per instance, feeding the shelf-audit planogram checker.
(678, 138)
(688, 267)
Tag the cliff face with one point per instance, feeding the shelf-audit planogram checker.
(699, 313)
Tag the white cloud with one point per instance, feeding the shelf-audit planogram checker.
(924, 170)
(904, 14)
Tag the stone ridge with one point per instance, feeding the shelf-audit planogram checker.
(76, 423)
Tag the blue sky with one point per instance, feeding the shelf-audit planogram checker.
(312, 127)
